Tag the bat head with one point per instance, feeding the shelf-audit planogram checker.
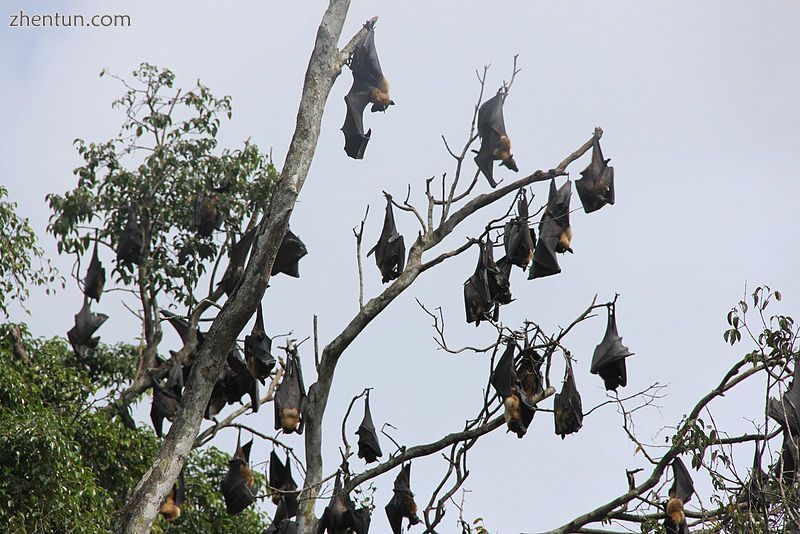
(381, 106)
(510, 163)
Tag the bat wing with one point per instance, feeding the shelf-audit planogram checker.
(287, 260)
(394, 515)
(238, 495)
(485, 161)
(390, 250)
(361, 521)
(368, 447)
(165, 405)
(544, 262)
(568, 407)
(596, 187)
(365, 63)
(290, 399)
(490, 116)
(238, 255)
(682, 484)
(355, 140)
(95, 277)
(504, 378)
(609, 356)
(258, 349)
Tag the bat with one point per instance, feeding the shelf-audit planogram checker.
(207, 217)
(518, 238)
(786, 411)
(567, 406)
(86, 323)
(181, 326)
(283, 486)
(287, 260)
(239, 485)
(284, 526)
(369, 87)
(609, 356)
(786, 467)
(753, 492)
(217, 401)
(529, 376)
(486, 287)
(239, 381)
(402, 503)
(679, 494)
(290, 398)
(596, 187)
(129, 241)
(390, 250)
(517, 414)
(339, 517)
(257, 349)
(495, 144)
(165, 405)
(238, 255)
(368, 447)
(95, 277)
(498, 278)
(555, 232)
(171, 507)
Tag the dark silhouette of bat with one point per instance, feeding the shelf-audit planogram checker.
(679, 494)
(129, 241)
(517, 414)
(290, 398)
(171, 507)
(609, 356)
(369, 86)
(207, 217)
(239, 381)
(218, 400)
(786, 410)
(477, 297)
(284, 526)
(390, 250)
(596, 187)
(86, 324)
(164, 406)
(283, 486)
(555, 232)
(340, 516)
(287, 260)
(518, 238)
(368, 447)
(238, 255)
(568, 408)
(402, 503)
(498, 278)
(786, 467)
(258, 349)
(753, 493)
(495, 144)
(95, 277)
(181, 326)
(239, 485)
(529, 377)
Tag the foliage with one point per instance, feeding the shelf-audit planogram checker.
(19, 251)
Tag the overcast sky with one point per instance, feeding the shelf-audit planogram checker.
(701, 114)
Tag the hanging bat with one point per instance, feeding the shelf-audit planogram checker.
(786, 411)
(284, 526)
(129, 241)
(555, 232)
(95, 277)
(283, 486)
(518, 238)
(86, 323)
(290, 398)
(207, 217)
(257, 349)
(517, 414)
(402, 503)
(786, 467)
(339, 517)
(495, 144)
(567, 407)
(171, 507)
(596, 187)
(609, 356)
(499, 284)
(239, 381)
(369, 86)
(165, 405)
(287, 261)
(529, 375)
(753, 492)
(238, 255)
(368, 447)
(239, 485)
(218, 399)
(390, 250)
(679, 494)
(477, 294)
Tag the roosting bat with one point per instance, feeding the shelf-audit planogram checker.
(596, 188)
(753, 493)
(518, 238)
(390, 250)
(368, 447)
(568, 408)
(165, 405)
(487, 288)
(495, 144)
(207, 217)
(340, 516)
(181, 326)
(287, 261)
(498, 278)
(239, 485)
(290, 398)
(283, 485)
(238, 255)
(555, 232)
(218, 400)
(786, 410)
(609, 356)
(787, 466)
(86, 323)
(257, 349)
(239, 381)
(504, 379)
(95, 277)
(679, 494)
(402, 503)
(171, 507)
(129, 242)
(369, 86)
(529, 375)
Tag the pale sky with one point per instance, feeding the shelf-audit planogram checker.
(700, 111)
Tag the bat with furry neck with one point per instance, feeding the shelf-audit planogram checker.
(341, 516)
(518, 414)
(596, 187)
(679, 494)
(171, 507)
(402, 504)
(567, 407)
(555, 232)
(390, 250)
(95, 277)
(239, 485)
(290, 398)
(129, 241)
(369, 87)
(609, 356)
(495, 144)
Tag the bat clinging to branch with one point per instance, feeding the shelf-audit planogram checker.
(495, 144)
(390, 250)
(609, 356)
(596, 187)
